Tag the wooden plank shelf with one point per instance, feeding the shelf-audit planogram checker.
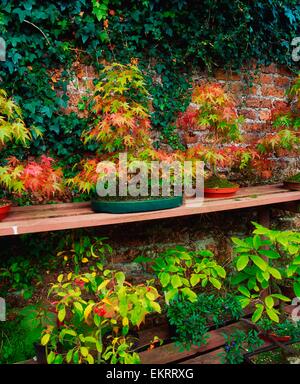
(170, 353)
(53, 217)
(209, 353)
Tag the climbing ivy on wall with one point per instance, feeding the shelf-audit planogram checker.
(168, 38)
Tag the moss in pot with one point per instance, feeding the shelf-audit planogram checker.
(216, 186)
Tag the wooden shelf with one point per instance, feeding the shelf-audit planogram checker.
(53, 217)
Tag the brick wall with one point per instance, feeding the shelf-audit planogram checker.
(267, 91)
(257, 91)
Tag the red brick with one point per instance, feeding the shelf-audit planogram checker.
(235, 87)
(277, 104)
(266, 79)
(264, 115)
(255, 102)
(284, 71)
(250, 127)
(220, 75)
(251, 137)
(273, 91)
(282, 81)
(248, 113)
(229, 76)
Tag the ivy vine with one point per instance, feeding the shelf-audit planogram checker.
(168, 38)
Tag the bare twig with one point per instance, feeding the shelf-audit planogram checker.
(39, 29)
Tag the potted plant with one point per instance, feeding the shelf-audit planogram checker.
(238, 344)
(95, 312)
(120, 123)
(182, 274)
(284, 331)
(39, 178)
(281, 139)
(190, 321)
(214, 115)
(12, 129)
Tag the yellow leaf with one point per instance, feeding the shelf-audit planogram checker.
(60, 278)
(88, 310)
(85, 260)
(45, 339)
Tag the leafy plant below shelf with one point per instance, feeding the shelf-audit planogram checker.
(238, 343)
(192, 320)
(18, 336)
(19, 275)
(182, 272)
(256, 268)
(95, 312)
(77, 250)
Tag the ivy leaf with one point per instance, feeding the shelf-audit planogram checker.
(169, 295)
(281, 297)
(189, 293)
(275, 273)
(194, 279)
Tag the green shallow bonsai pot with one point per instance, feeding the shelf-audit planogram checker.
(131, 206)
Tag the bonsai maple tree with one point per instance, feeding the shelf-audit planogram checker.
(120, 110)
(214, 116)
(37, 178)
(282, 138)
(119, 122)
